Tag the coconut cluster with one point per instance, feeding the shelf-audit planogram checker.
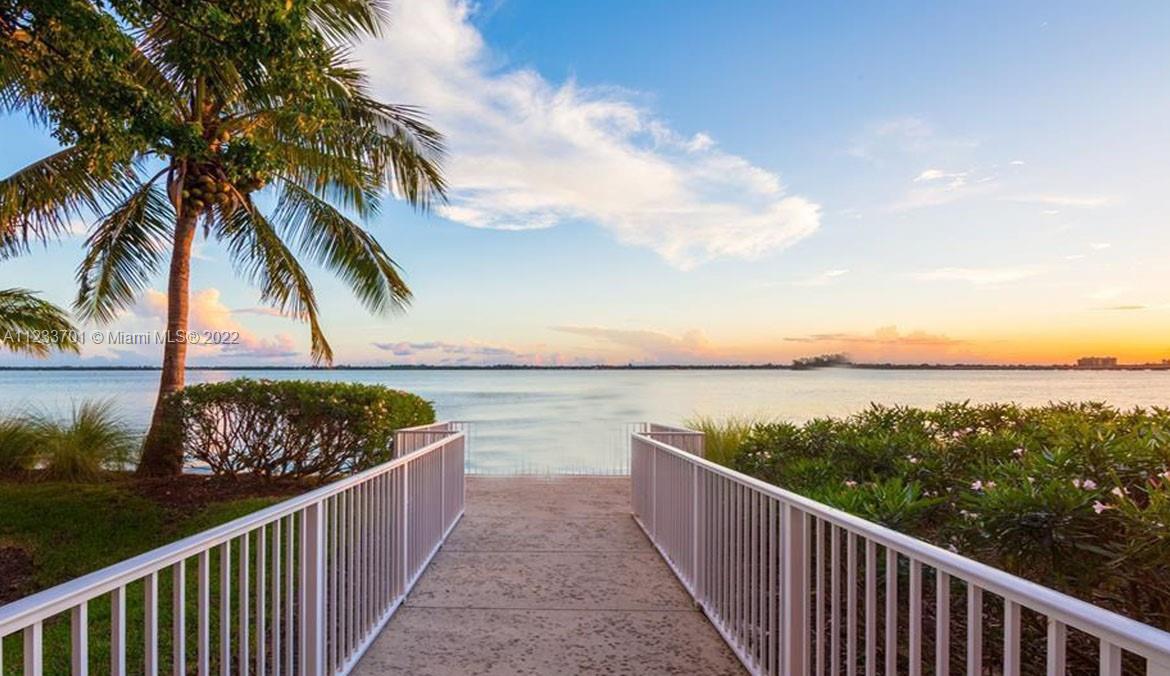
(204, 189)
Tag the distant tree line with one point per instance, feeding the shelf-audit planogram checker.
(821, 360)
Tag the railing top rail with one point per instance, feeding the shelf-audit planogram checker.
(440, 426)
(658, 428)
(1126, 633)
(23, 612)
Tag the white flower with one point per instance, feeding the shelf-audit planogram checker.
(912, 459)
(1119, 492)
(977, 485)
(850, 483)
(1019, 452)
(1086, 484)
(1099, 506)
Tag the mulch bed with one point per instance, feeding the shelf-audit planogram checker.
(16, 573)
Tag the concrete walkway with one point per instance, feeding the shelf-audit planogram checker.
(548, 576)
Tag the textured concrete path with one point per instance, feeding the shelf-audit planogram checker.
(548, 576)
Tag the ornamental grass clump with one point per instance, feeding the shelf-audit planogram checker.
(93, 441)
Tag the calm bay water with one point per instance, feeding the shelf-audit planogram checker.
(560, 421)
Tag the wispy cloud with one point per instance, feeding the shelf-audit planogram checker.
(651, 346)
(886, 335)
(977, 276)
(901, 136)
(1057, 200)
(1124, 308)
(934, 187)
(529, 153)
(444, 352)
(821, 279)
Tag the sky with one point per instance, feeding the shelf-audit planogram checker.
(690, 182)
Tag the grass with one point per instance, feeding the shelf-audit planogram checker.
(723, 437)
(70, 529)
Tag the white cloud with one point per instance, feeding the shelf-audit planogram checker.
(1016, 163)
(1099, 246)
(977, 276)
(528, 153)
(936, 174)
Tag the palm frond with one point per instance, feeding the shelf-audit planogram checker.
(124, 252)
(340, 20)
(34, 326)
(262, 257)
(38, 202)
(341, 246)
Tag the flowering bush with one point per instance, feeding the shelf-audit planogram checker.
(1073, 496)
(292, 428)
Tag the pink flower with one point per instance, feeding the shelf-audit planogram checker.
(1119, 492)
(1086, 484)
(1099, 506)
(977, 485)
(850, 483)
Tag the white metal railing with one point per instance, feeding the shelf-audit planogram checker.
(301, 587)
(792, 586)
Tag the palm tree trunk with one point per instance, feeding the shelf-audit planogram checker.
(162, 452)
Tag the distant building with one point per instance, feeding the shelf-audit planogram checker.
(1097, 362)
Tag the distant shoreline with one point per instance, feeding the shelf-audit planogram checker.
(627, 367)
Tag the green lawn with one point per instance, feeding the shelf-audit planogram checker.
(72, 529)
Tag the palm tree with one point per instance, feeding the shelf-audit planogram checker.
(34, 326)
(261, 99)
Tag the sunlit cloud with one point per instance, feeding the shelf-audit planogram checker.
(439, 352)
(528, 153)
(977, 276)
(651, 346)
(207, 313)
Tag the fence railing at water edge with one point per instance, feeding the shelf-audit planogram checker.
(300, 587)
(793, 586)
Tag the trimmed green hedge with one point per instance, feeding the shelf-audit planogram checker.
(292, 428)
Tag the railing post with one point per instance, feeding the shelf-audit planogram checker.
(405, 527)
(653, 489)
(443, 488)
(313, 590)
(695, 530)
(795, 600)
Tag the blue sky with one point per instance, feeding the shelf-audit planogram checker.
(727, 182)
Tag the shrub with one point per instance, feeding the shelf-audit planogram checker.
(290, 428)
(1075, 496)
(94, 440)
